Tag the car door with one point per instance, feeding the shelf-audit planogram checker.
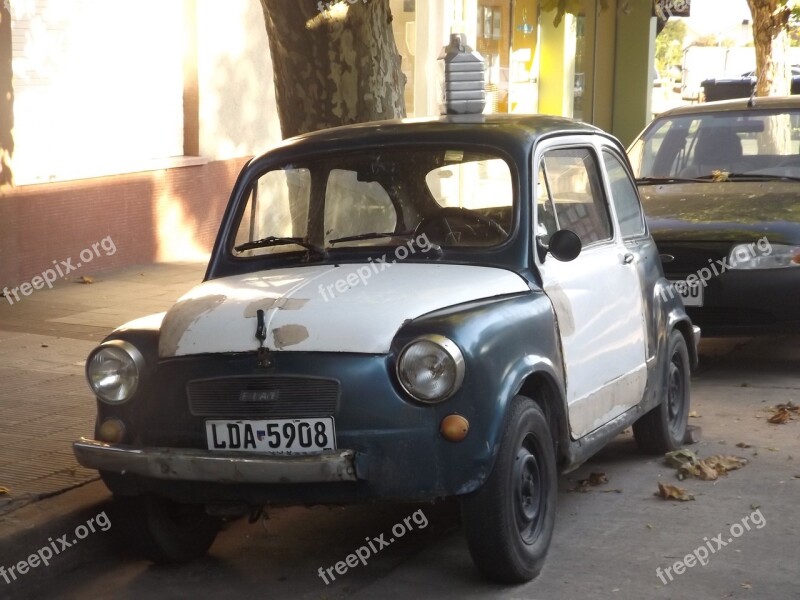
(597, 297)
(629, 215)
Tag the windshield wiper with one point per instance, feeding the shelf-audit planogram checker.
(657, 180)
(370, 236)
(281, 241)
(749, 176)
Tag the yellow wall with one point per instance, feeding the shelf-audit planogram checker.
(557, 65)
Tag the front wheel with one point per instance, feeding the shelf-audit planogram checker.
(509, 521)
(162, 530)
(663, 429)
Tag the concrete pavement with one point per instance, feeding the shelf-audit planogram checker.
(45, 403)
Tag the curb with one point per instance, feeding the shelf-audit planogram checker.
(25, 531)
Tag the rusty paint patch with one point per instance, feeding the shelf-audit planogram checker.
(180, 319)
(274, 304)
(289, 335)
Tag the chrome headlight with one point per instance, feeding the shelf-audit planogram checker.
(774, 256)
(113, 370)
(431, 368)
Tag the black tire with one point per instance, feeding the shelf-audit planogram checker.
(509, 521)
(164, 531)
(663, 429)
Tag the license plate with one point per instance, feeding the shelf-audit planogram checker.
(692, 295)
(277, 436)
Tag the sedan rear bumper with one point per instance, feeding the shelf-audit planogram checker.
(186, 464)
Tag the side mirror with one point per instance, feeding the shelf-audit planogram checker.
(565, 245)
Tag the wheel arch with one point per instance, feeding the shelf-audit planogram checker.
(543, 387)
(687, 331)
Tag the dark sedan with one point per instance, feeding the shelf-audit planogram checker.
(720, 183)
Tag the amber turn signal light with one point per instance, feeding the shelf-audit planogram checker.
(454, 428)
(112, 431)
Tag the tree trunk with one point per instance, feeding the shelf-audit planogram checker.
(770, 20)
(334, 66)
(6, 98)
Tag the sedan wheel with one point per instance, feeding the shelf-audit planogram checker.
(162, 530)
(664, 428)
(509, 521)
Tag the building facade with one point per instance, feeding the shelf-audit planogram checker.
(132, 120)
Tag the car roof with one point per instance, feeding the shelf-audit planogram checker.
(767, 103)
(501, 130)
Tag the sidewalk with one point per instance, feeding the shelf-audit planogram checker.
(45, 403)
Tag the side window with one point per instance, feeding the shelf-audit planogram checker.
(624, 196)
(573, 184)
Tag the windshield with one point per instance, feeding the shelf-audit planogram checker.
(453, 196)
(754, 142)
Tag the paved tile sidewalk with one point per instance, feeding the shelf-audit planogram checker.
(45, 403)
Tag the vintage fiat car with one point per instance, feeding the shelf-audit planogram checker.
(400, 311)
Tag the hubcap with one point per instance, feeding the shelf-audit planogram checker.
(528, 492)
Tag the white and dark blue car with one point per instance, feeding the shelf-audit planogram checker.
(401, 311)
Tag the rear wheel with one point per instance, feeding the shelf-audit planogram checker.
(162, 530)
(663, 429)
(509, 521)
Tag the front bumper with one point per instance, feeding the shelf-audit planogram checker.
(186, 464)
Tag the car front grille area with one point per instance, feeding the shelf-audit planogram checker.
(689, 258)
(263, 397)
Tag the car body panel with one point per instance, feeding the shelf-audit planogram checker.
(305, 311)
(725, 211)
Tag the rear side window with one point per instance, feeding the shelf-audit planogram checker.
(572, 183)
(624, 197)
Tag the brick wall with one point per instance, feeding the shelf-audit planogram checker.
(40, 224)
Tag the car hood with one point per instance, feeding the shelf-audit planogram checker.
(322, 308)
(724, 211)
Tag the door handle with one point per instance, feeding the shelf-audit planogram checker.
(627, 259)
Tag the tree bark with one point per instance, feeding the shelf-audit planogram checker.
(334, 63)
(770, 20)
(6, 99)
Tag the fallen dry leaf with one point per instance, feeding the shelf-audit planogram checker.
(707, 469)
(780, 416)
(693, 414)
(678, 458)
(672, 492)
(746, 585)
(85, 279)
(594, 480)
(743, 445)
(4, 491)
(719, 176)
